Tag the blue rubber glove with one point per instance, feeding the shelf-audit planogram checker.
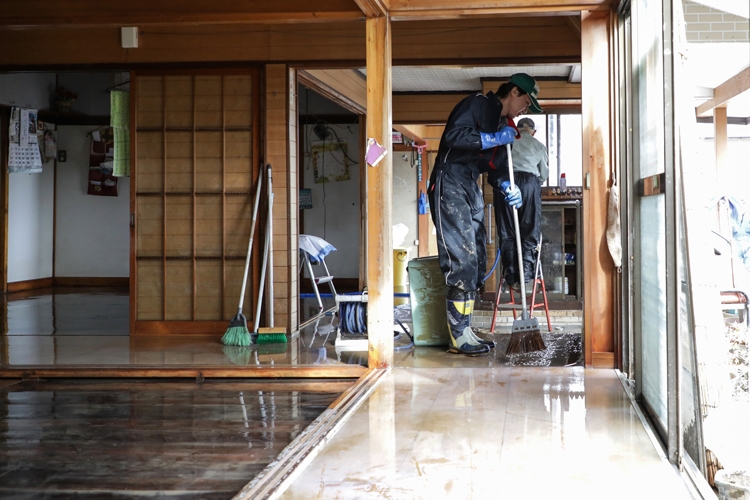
(512, 196)
(505, 136)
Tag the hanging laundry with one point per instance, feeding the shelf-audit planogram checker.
(120, 122)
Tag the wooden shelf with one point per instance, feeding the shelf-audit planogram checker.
(73, 118)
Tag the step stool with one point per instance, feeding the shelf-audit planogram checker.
(538, 282)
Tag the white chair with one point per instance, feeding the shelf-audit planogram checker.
(313, 250)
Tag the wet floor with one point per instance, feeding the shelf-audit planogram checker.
(478, 433)
(136, 439)
(74, 326)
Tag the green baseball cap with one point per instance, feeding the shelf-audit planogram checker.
(528, 85)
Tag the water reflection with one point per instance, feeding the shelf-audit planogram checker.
(70, 437)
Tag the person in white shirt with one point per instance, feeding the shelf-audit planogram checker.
(530, 171)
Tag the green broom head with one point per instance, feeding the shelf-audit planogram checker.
(270, 353)
(238, 355)
(271, 336)
(237, 334)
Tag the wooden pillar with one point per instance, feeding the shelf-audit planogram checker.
(720, 138)
(379, 195)
(598, 268)
(280, 152)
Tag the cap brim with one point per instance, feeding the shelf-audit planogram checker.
(535, 108)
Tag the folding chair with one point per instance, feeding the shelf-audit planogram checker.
(313, 250)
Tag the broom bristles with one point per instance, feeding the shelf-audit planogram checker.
(237, 334)
(525, 341)
(270, 335)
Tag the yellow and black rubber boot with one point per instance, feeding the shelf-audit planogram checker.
(463, 340)
(479, 340)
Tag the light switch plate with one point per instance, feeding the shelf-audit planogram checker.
(129, 38)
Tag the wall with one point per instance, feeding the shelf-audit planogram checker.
(30, 195)
(405, 199)
(705, 24)
(93, 232)
(335, 214)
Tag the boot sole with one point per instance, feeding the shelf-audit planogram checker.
(455, 350)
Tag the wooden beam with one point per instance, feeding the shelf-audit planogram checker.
(721, 143)
(373, 8)
(379, 196)
(549, 90)
(598, 268)
(325, 45)
(449, 9)
(276, 371)
(738, 84)
(19, 14)
(413, 132)
(343, 86)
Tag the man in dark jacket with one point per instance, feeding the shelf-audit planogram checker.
(473, 143)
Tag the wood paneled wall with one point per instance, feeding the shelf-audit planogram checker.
(509, 40)
(281, 154)
(598, 268)
(432, 108)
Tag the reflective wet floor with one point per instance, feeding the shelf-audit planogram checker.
(125, 439)
(69, 326)
(492, 432)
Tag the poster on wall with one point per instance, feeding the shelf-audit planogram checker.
(23, 150)
(330, 162)
(101, 181)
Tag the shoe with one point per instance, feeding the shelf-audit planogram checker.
(463, 340)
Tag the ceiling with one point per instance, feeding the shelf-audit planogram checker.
(467, 79)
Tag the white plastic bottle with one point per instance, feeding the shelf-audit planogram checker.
(563, 182)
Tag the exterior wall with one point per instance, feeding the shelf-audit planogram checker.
(705, 24)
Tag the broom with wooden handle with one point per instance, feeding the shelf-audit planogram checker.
(525, 336)
(237, 334)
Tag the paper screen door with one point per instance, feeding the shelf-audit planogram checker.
(195, 164)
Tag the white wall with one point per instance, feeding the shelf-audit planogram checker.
(30, 202)
(405, 199)
(30, 219)
(93, 232)
(335, 215)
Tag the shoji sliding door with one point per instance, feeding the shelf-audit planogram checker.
(196, 162)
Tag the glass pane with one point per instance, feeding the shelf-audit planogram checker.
(552, 249)
(653, 304)
(690, 411)
(649, 54)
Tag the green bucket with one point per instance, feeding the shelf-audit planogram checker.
(427, 296)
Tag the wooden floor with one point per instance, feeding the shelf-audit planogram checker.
(116, 439)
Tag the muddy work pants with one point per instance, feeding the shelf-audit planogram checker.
(457, 208)
(529, 222)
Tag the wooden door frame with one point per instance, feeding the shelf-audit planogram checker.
(351, 105)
